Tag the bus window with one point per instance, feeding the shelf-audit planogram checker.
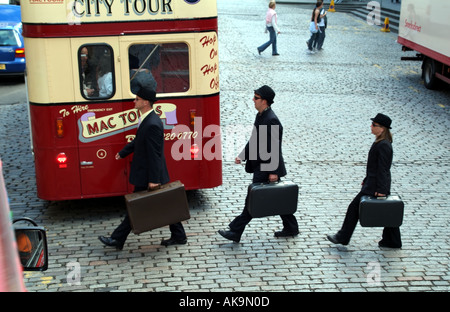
(96, 71)
(161, 67)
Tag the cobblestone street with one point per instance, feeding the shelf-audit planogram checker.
(325, 102)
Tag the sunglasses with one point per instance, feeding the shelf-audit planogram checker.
(375, 125)
(256, 98)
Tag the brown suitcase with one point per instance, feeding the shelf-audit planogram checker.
(149, 210)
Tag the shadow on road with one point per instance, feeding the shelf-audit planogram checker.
(11, 80)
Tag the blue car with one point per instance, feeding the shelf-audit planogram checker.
(12, 52)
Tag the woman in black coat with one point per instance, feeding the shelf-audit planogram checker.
(376, 183)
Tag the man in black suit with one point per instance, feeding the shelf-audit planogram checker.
(148, 167)
(265, 160)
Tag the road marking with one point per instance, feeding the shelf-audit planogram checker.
(395, 77)
(46, 279)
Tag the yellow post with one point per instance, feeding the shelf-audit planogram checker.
(331, 8)
(386, 25)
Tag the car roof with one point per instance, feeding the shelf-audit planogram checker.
(10, 17)
(10, 14)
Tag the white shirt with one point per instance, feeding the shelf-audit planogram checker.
(105, 85)
(322, 20)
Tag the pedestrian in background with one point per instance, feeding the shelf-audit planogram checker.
(265, 119)
(322, 26)
(376, 183)
(315, 18)
(272, 28)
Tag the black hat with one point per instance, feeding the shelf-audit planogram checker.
(266, 93)
(382, 120)
(134, 61)
(147, 94)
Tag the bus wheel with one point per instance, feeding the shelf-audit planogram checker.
(428, 73)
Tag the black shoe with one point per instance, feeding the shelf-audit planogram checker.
(173, 241)
(275, 54)
(284, 233)
(108, 241)
(335, 240)
(230, 235)
(259, 52)
(386, 245)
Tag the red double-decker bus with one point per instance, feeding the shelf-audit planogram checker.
(85, 61)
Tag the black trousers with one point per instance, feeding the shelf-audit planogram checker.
(240, 222)
(123, 230)
(391, 236)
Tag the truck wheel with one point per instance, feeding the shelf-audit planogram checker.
(428, 73)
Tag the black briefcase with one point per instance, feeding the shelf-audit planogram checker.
(381, 211)
(271, 199)
(149, 210)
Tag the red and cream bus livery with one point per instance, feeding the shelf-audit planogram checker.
(85, 62)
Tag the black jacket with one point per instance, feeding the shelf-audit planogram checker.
(378, 171)
(263, 150)
(148, 164)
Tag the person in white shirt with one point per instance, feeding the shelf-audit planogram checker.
(317, 19)
(105, 83)
(322, 25)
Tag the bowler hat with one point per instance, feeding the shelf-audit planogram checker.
(134, 61)
(382, 120)
(266, 93)
(147, 94)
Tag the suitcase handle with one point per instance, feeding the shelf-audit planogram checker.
(154, 189)
(268, 182)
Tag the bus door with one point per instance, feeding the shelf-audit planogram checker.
(101, 119)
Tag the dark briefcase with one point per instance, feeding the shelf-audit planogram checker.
(150, 210)
(271, 199)
(381, 211)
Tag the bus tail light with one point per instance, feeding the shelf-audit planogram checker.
(61, 159)
(192, 114)
(59, 127)
(194, 151)
(20, 53)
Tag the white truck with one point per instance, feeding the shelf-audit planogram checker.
(423, 28)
